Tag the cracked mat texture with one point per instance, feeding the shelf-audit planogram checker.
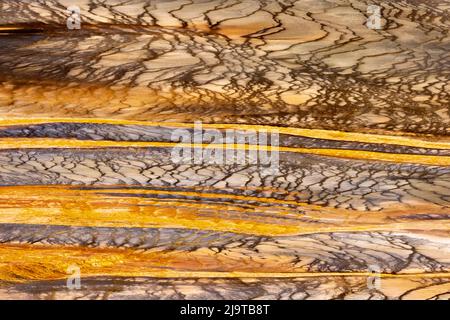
(87, 179)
